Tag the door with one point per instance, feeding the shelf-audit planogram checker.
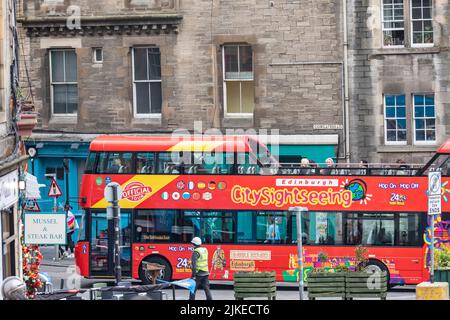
(102, 244)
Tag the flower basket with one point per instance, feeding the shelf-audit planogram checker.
(26, 123)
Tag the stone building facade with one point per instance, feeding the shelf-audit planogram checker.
(11, 148)
(242, 64)
(230, 64)
(399, 79)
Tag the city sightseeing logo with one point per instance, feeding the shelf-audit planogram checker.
(135, 191)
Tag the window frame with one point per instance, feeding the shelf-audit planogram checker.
(149, 115)
(383, 29)
(225, 80)
(94, 51)
(52, 83)
(424, 142)
(411, 31)
(386, 141)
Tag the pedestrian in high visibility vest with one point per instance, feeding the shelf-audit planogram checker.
(200, 268)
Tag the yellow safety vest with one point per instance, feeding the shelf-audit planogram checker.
(202, 261)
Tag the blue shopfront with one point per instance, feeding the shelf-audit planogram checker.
(65, 161)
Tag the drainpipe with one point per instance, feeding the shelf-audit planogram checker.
(346, 91)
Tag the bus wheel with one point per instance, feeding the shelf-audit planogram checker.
(165, 274)
(375, 266)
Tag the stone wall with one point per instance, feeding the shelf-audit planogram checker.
(375, 71)
(291, 39)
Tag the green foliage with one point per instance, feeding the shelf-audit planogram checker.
(323, 256)
(360, 257)
(442, 258)
(342, 268)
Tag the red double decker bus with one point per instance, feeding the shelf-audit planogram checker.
(235, 196)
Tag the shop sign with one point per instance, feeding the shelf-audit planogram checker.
(9, 189)
(45, 228)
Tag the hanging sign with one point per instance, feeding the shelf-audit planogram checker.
(45, 228)
(54, 191)
(32, 205)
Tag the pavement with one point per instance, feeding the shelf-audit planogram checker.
(63, 275)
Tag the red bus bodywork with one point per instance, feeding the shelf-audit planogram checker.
(407, 265)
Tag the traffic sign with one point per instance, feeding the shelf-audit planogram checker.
(31, 205)
(434, 204)
(434, 183)
(109, 189)
(54, 191)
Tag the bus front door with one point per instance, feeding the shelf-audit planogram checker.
(102, 245)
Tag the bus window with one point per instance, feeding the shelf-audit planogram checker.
(172, 162)
(305, 228)
(90, 163)
(409, 230)
(191, 226)
(246, 232)
(370, 229)
(322, 228)
(271, 227)
(115, 162)
(155, 226)
(212, 163)
(145, 162)
(82, 236)
(218, 227)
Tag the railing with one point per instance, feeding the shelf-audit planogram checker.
(373, 169)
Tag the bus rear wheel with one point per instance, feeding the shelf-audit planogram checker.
(374, 266)
(165, 274)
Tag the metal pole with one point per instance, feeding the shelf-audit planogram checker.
(117, 267)
(300, 251)
(432, 250)
(299, 211)
(55, 209)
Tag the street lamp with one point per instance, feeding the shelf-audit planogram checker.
(298, 211)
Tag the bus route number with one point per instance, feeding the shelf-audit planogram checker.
(183, 263)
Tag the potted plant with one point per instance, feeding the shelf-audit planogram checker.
(442, 264)
(363, 284)
(325, 283)
(26, 119)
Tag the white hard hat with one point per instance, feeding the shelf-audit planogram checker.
(197, 241)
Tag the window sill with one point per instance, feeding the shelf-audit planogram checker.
(403, 51)
(63, 119)
(157, 119)
(406, 148)
(238, 116)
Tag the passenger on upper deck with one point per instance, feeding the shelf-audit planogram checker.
(314, 167)
(364, 168)
(403, 168)
(118, 166)
(304, 167)
(330, 169)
